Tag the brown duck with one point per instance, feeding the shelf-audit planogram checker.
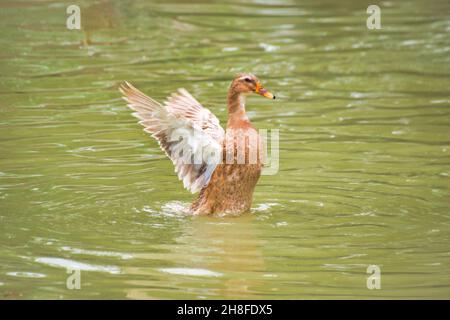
(223, 166)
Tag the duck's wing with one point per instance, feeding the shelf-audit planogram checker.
(190, 134)
(183, 104)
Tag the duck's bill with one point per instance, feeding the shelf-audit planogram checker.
(264, 92)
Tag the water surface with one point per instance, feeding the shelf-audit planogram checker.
(364, 121)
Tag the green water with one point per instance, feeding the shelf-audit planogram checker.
(364, 120)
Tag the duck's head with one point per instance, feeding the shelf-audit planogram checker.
(248, 83)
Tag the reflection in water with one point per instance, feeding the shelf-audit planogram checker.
(232, 246)
(98, 16)
(208, 250)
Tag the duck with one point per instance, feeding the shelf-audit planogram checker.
(222, 166)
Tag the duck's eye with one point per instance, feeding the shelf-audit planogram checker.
(248, 80)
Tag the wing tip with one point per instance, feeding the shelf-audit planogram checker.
(126, 88)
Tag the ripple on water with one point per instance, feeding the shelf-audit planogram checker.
(265, 206)
(124, 256)
(65, 263)
(191, 272)
(25, 275)
(175, 209)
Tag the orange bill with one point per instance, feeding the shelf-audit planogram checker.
(264, 92)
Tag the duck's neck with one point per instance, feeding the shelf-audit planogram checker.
(236, 109)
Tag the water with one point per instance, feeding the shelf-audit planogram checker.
(364, 151)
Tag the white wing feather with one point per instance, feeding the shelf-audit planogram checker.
(190, 134)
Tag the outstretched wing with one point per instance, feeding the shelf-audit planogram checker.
(183, 104)
(190, 134)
